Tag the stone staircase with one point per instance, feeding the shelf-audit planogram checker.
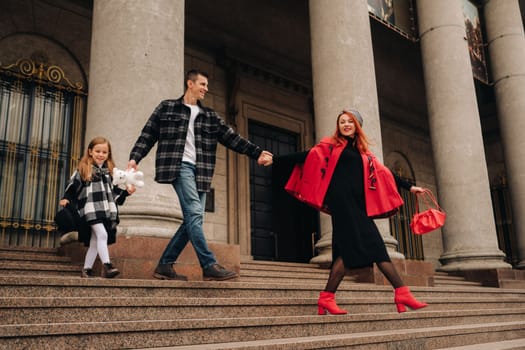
(442, 279)
(45, 305)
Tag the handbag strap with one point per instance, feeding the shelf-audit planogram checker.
(428, 198)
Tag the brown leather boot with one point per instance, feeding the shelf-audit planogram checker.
(109, 271)
(166, 272)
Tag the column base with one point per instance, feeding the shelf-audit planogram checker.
(472, 261)
(324, 257)
(324, 260)
(159, 220)
(520, 265)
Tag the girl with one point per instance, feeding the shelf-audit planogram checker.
(342, 177)
(96, 200)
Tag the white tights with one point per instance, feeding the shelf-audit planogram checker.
(97, 245)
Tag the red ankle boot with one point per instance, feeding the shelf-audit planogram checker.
(404, 298)
(326, 304)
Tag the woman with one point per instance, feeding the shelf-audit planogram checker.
(342, 177)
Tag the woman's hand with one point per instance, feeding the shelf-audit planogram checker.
(63, 202)
(417, 189)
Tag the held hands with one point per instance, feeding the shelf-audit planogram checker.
(132, 165)
(63, 202)
(266, 158)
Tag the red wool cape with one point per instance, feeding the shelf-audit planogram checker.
(309, 181)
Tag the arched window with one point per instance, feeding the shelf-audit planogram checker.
(409, 244)
(41, 128)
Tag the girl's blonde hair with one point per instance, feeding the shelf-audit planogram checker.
(360, 139)
(85, 166)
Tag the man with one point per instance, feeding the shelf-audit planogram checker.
(187, 134)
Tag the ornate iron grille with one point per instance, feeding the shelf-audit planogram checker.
(409, 244)
(41, 126)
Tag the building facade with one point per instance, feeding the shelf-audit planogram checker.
(439, 83)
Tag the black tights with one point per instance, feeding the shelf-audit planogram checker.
(338, 271)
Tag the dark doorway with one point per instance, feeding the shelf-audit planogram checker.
(282, 228)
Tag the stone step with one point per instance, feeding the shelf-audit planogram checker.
(290, 276)
(281, 266)
(318, 282)
(41, 286)
(514, 284)
(29, 250)
(32, 268)
(278, 271)
(169, 332)
(408, 339)
(444, 283)
(515, 344)
(442, 279)
(420, 339)
(32, 310)
(284, 264)
(456, 283)
(40, 272)
(33, 257)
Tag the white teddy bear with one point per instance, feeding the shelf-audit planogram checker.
(123, 178)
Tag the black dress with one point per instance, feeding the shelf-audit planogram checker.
(355, 237)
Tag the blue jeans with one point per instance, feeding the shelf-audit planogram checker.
(192, 205)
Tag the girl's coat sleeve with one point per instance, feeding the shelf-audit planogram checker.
(74, 187)
(119, 195)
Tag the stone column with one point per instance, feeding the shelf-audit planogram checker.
(137, 60)
(469, 235)
(507, 56)
(344, 77)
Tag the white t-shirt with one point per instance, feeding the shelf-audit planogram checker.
(189, 149)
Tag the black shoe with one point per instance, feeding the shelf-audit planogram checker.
(109, 271)
(166, 272)
(87, 273)
(218, 273)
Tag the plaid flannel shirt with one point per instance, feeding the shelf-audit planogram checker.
(168, 126)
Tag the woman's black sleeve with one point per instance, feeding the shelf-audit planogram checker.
(294, 158)
(402, 183)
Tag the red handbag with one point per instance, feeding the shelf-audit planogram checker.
(430, 219)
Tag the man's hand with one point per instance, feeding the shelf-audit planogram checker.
(132, 164)
(266, 158)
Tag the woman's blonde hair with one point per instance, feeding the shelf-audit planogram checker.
(85, 166)
(360, 139)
